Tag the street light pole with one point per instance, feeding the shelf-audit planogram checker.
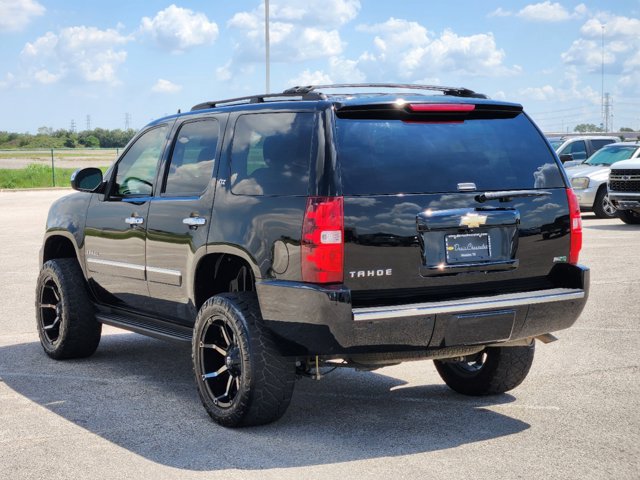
(266, 44)
(604, 122)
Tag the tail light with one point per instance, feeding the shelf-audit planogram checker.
(575, 227)
(322, 248)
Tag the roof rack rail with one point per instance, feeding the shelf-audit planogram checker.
(255, 99)
(453, 91)
(309, 92)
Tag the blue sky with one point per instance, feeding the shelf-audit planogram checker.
(64, 61)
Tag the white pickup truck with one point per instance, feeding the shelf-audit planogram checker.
(624, 189)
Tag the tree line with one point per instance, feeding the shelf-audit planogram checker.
(592, 127)
(49, 138)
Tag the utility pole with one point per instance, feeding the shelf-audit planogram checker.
(127, 121)
(267, 45)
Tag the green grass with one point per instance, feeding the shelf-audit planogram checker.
(35, 176)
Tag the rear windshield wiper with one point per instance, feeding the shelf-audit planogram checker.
(509, 194)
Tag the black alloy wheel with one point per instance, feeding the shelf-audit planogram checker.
(50, 310)
(220, 361)
(65, 316)
(242, 377)
(602, 207)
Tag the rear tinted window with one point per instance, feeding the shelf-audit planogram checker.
(391, 156)
(270, 154)
(192, 159)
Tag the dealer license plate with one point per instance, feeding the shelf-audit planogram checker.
(468, 248)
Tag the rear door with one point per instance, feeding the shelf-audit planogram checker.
(416, 228)
(179, 217)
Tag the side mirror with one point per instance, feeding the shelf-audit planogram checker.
(566, 157)
(86, 179)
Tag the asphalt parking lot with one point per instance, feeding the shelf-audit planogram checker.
(132, 411)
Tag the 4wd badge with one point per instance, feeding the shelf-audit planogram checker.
(473, 220)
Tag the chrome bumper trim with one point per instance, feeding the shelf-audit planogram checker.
(468, 305)
(619, 195)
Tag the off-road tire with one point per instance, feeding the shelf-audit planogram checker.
(602, 206)
(629, 216)
(261, 389)
(493, 371)
(65, 316)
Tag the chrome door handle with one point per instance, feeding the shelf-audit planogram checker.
(134, 220)
(194, 221)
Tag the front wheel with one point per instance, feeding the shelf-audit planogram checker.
(602, 207)
(242, 378)
(629, 216)
(494, 370)
(65, 316)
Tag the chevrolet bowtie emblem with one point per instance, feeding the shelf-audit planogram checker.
(473, 220)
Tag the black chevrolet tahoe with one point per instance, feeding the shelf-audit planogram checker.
(289, 234)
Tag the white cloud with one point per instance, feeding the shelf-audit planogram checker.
(546, 92)
(614, 27)
(407, 50)
(622, 42)
(8, 80)
(298, 32)
(45, 77)
(544, 12)
(345, 71)
(307, 77)
(165, 86)
(16, 14)
(500, 12)
(568, 88)
(224, 72)
(317, 13)
(499, 95)
(87, 53)
(178, 29)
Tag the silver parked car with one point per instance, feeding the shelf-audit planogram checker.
(589, 179)
(576, 149)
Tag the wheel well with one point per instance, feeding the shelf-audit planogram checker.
(221, 273)
(58, 247)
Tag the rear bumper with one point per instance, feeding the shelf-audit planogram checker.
(321, 320)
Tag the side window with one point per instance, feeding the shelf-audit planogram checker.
(598, 144)
(270, 154)
(136, 172)
(578, 150)
(192, 158)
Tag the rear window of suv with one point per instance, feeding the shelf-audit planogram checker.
(392, 156)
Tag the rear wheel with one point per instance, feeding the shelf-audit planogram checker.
(65, 315)
(494, 370)
(242, 378)
(629, 216)
(602, 207)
